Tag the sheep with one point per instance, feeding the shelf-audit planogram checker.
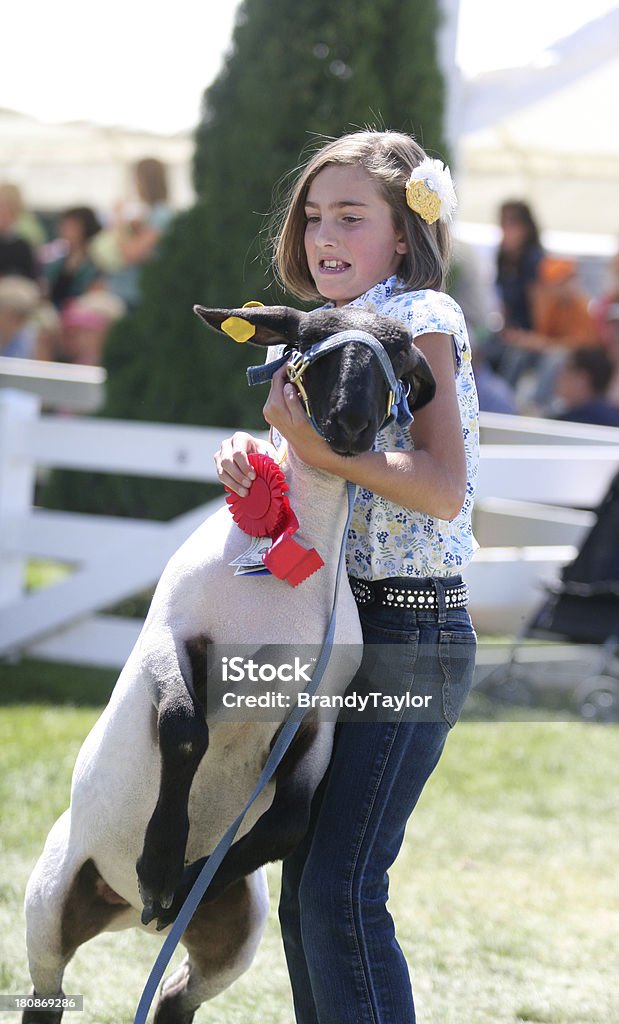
(161, 776)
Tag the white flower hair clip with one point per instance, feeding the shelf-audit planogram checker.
(430, 191)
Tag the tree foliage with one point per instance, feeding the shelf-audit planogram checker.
(295, 74)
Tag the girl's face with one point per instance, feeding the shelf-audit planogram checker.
(350, 241)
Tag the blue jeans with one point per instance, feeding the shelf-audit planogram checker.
(344, 961)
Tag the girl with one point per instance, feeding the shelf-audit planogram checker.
(367, 225)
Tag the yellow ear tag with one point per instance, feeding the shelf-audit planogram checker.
(237, 329)
(240, 330)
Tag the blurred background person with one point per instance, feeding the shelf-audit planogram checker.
(582, 385)
(47, 327)
(467, 286)
(85, 324)
(16, 253)
(517, 262)
(132, 240)
(519, 255)
(603, 307)
(68, 266)
(611, 340)
(494, 393)
(561, 310)
(562, 321)
(19, 298)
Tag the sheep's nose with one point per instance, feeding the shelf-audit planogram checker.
(351, 431)
(353, 421)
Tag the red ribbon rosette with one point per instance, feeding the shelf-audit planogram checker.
(265, 511)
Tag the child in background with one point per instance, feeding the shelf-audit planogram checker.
(70, 271)
(367, 224)
(518, 258)
(19, 298)
(16, 253)
(561, 317)
(131, 242)
(582, 387)
(561, 322)
(85, 325)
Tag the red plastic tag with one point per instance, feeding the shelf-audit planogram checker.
(290, 561)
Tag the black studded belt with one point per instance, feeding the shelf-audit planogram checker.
(414, 595)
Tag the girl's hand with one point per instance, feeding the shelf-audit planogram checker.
(285, 411)
(233, 466)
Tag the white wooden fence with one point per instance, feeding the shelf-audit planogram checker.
(537, 481)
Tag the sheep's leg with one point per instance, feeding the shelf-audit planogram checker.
(66, 904)
(221, 941)
(183, 740)
(280, 829)
(182, 734)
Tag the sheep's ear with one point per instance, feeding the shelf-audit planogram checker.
(260, 325)
(421, 380)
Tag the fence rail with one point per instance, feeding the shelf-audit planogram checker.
(58, 385)
(538, 483)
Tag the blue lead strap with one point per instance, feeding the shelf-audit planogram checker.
(278, 750)
(264, 372)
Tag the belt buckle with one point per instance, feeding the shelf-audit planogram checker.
(362, 592)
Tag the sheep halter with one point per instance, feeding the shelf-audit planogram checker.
(298, 362)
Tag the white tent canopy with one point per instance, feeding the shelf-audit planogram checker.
(59, 165)
(548, 134)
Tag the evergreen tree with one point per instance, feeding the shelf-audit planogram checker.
(296, 72)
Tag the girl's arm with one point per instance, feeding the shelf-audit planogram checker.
(430, 479)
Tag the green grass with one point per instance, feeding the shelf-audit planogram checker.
(41, 572)
(505, 894)
(44, 682)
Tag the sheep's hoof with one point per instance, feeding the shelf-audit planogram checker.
(148, 914)
(41, 1016)
(157, 889)
(163, 915)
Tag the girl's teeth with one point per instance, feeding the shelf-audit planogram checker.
(332, 264)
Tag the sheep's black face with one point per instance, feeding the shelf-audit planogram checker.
(346, 388)
(347, 393)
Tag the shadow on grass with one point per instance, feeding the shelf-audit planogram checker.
(44, 682)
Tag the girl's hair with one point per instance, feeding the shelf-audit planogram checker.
(152, 180)
(388, 157)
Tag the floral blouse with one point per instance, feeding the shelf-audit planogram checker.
(386, 539)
